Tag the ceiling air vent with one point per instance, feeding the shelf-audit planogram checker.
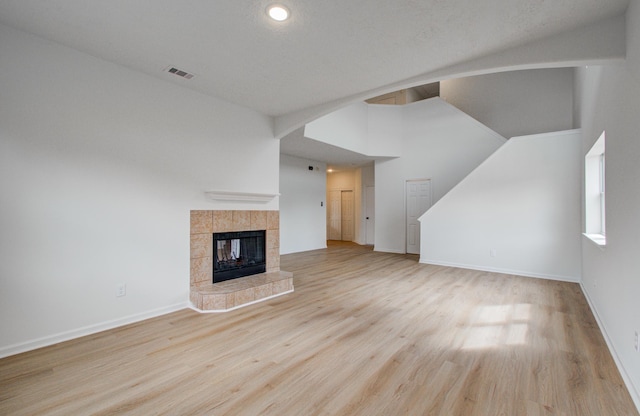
(180, 73)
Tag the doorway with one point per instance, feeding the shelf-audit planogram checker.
(418, 201)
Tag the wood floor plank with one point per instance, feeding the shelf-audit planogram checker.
(364, 333)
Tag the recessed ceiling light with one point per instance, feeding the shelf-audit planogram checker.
(278, 13)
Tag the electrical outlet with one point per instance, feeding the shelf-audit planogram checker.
(121, 290)
(493, 252)
(636, 345)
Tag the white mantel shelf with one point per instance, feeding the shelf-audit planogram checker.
(239, 196)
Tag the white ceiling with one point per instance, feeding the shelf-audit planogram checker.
(329, 49)
(336, 158)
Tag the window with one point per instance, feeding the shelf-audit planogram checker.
(594, 192)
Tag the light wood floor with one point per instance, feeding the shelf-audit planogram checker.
(364, 333)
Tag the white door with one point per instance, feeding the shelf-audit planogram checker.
(334, 213)
(347, 215)
(418, 194)
(369, 211)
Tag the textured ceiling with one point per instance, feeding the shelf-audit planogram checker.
(328, 49)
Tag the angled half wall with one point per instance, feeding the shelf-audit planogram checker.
(517, 213)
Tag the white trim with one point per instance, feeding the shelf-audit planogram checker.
(570, 279)
(388, 250)
(88, 330)
(240, 196)
(239, 306)
(598, 239)
(633, 391)
(304, 251)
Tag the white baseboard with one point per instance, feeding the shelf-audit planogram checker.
(571, 279)
(87, 330)
(633, 391)
(388, 250)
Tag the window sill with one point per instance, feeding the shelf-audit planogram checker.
(597, 239)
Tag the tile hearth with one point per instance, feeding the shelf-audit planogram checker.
(224, 296)
(232, 294)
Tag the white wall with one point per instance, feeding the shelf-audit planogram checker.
(516, 103)
(384, 129)
(609, 100)
(302, 217)
(521, 202)
(345, 128)
(369, 129)
(99, 168)
(368, 175)
(439, 142)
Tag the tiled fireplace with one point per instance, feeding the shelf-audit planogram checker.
(231, 294)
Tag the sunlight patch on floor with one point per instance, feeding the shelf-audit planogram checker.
(498, 326)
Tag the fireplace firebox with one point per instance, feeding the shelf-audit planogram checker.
(238, 254)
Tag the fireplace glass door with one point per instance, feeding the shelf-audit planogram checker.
(238, 254)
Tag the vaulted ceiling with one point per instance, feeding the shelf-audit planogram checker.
(326, 51)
